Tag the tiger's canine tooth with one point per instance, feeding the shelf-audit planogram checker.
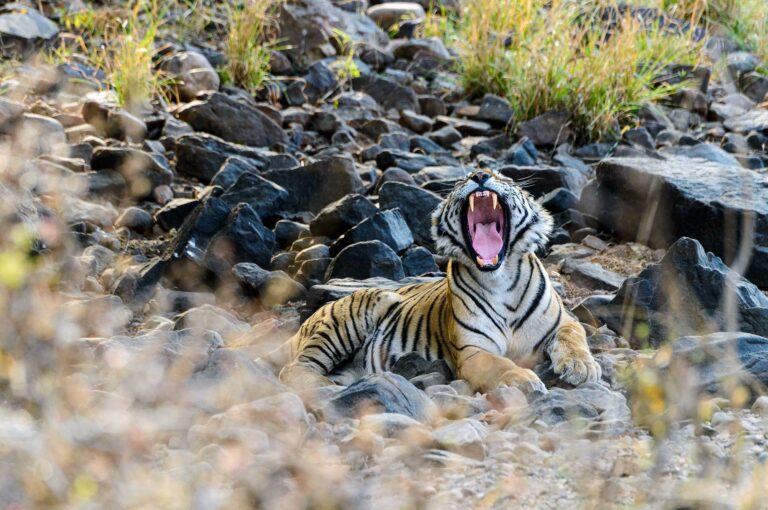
(472, 202)
(495, 201)
(495, 260)
(480, 261)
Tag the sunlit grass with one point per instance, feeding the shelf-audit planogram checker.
(545, 56)
(249, 42)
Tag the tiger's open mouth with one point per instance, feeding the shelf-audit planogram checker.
(485, 228)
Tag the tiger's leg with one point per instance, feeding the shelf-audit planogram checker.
(570, 355)
(486, 371)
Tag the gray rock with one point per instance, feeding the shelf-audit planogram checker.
(191, 74)
(731, 105)
(753, 120)
(201, 155)
(601, 407)
(37, 135)
(143, 172)
(380, 393)
(465, 126)
(287, 231)
(265, 197)
(465, 437)
(496, 110)
(415, 122)
(232, 120)
(689, 197)
(415, 204)
(591, 275)
(319, 81)
(365, 260)
(243, 239)
(23, 29)
(706, 151)
(409, 48)
(306, 28)
(654, 312)
(270, 287)
(715, 362)
(314, 186)
(338, 217)
(135, 219)
(387, 92)
(417, 261)
(547, 129)
(543, 179)
(391, 13)
(389, 227)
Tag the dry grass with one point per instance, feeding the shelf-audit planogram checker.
(546, 56)
(249, 42)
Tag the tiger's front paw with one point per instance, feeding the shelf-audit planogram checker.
(575, 366)
(523, 379)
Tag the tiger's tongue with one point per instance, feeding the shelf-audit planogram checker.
(486, 241)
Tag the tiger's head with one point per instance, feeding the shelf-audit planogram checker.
(486, 218)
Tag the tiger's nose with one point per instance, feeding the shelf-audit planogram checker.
(480, 177)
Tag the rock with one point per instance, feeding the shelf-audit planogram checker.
(390, 424)
(387, 92)
(523, 153)
(232, 120)
(314, 186)
(546, 130)
(173, 213)
(111, 121)
(23, 29)
(754, 85)
(231, 170)
(143, 172)
(433, 47)
(752, 120)
(593, 402)
(320, 81)
(559, 200)
(654, 313)
(201, 155)
(495, 110)
(415, 122)
(464, 126)
(407, 161)
(760, 407)
(706, 151)
(540, 180)
(113, 316)
(417, 261)
(265, 197)
(365, 260)
(731, 105)
(379, 393)
(415, 204)
(338, 217)
(389, 227)
(412, 366)
(465, 437)
(287, 231)
(690, 198)
(306, 29)
(271, 287)
(445, 136)
(243, 239)
(135, 219)
(388, 14)
(716, 362)
(591, 275)
(36, 135)
(191, 74)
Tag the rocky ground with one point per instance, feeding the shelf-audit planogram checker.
(152, 257)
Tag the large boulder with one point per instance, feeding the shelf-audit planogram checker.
(687, 292)
(314, 186)
(659, 200)
(191, 73)
(232, 120)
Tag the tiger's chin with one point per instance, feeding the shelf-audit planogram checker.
(485, 225)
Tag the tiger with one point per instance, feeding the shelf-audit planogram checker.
(492, 317)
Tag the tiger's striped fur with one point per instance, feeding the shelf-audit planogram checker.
(487, 324)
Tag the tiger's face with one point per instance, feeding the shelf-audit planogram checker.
(486, 218)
